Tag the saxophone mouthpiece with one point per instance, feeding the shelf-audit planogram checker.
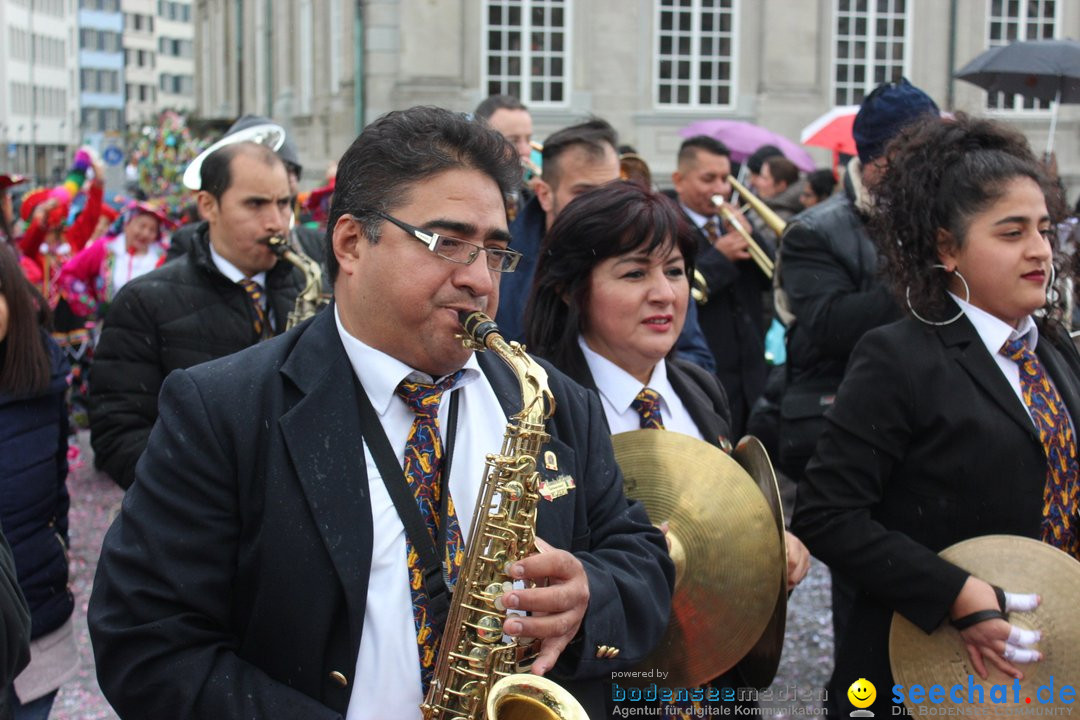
(478, 326)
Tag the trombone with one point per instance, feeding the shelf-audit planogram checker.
(757, 254)
(766, 213)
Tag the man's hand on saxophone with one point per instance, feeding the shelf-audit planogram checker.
(557, 604)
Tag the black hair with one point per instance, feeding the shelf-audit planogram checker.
(604, 222)
(689, 149)
(24, 361)
(491, 103)
(594, 136)
(941, 173)
(215, 174)
(403, 148)
(822, 183)
(759, 156)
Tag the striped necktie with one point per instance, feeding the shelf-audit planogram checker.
(1048, 412)
(261, 323)
(647, 405)
(423, 471)
(711, 231)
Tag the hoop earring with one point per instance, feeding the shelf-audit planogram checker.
(954, 318)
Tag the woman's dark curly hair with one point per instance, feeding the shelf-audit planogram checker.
(605, 222)
(942, 172)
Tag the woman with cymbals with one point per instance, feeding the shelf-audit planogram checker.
(957, 421)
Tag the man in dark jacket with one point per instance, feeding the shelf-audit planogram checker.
(228, 293)
(261, 567)
(732, 315)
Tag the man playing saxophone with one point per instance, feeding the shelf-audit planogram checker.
(261, 565)
(227, 293)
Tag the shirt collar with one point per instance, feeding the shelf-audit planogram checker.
(995, 332)
(699, 220)
(230, 271)
(380, 374)
(619, 387)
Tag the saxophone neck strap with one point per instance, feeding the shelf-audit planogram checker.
(393, 477)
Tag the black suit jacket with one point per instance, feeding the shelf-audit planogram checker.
(733, 322)
(926, 445)
(233, 584)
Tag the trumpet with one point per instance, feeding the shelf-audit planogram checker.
(757, 254)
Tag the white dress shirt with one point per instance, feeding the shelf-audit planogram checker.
(387, 682)
(994, 333)
(700, 220)
(618, 389)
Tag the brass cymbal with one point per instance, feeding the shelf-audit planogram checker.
(724, 544)
(759, 666)
(1015, 564)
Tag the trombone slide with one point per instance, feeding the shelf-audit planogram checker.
(757, 254)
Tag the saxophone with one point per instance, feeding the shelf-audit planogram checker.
(476, 673)
(310, 299)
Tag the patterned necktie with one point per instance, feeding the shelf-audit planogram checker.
(423, 471)
(711, 231)
(1060, 497)
(261, 323)
(647, 405)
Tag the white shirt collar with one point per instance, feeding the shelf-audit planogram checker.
(995, 332)
(380, 374)
(699, 220)
(231, 271)
(619, 387)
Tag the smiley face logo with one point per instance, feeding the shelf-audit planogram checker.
(862, 693)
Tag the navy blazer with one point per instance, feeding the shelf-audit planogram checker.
(233, 583)
(926, 445)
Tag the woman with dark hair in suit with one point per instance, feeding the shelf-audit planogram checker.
(33, 476)
(607, 306)
(945, 420)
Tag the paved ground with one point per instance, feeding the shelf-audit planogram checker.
(805, 666)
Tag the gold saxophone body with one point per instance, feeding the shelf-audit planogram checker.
(310, 299)
(477, 671)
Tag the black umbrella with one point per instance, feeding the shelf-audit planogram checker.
(1048, 70)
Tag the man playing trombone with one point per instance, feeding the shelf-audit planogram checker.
(736, 268)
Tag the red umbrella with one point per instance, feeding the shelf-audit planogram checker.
(833, 132)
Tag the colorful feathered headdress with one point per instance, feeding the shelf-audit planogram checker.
(63, 193)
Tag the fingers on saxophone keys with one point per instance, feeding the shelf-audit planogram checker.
(1021, 602)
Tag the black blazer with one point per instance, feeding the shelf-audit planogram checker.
(926, 445)
(233, 583)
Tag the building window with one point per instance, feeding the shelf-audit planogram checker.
(1011, 20)
(695, 51)
(526, 50)
(870, 46)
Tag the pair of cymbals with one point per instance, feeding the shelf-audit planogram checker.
(1018, 565)
(725, 527)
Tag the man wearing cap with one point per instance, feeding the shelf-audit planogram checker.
(828, 279)
(304, 239)
(227, 293)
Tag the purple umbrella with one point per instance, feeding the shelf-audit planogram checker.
(743, 138)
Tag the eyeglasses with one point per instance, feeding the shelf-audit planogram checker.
(455, 250)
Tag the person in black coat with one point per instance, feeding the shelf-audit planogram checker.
(196, 308)
(610, 297)
(732, 313)
(255, 508)
(34, 513)
(933, 437)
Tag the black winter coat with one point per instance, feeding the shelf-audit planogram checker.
(182, 314)
(33, 495)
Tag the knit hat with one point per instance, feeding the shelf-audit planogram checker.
(63, 194)
(884, 113)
